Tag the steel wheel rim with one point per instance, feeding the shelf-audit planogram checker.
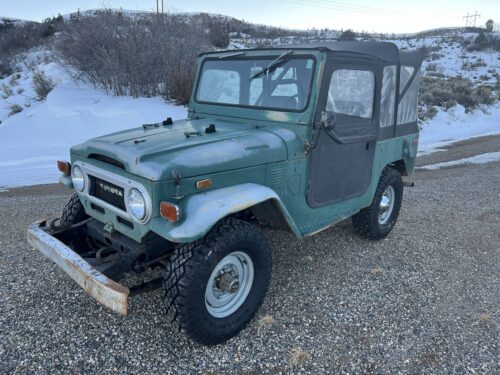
(236, 266)
(386, 205)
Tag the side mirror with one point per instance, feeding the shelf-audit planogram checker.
(328, 120)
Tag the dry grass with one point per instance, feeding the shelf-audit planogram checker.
(377, 271)
(298, 356)
(265, 321)
(485, 317)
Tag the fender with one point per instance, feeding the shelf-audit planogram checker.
(200, 212)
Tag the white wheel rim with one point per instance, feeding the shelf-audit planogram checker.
(386, 205)
(219, 302)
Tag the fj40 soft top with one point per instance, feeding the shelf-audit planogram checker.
(295, 138)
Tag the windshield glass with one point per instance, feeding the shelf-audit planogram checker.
(282, 84)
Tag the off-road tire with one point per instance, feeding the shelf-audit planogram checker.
(366, 222)
(188, 271)
(74, 213)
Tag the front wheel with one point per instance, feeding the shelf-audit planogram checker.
(377, 220)
(215, 286)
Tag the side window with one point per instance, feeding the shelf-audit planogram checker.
(351, 92)
(388, 96)
(220, 86)
(407, 109)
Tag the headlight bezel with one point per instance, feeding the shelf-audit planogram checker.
(79, 182)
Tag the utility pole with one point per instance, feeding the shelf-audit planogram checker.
(472, 23)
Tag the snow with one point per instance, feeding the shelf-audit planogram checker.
(477, 159)
(33, 140)
(456, 125)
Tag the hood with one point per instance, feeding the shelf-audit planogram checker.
(186, 147)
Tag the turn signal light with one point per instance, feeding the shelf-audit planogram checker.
(170, 211)
(203, 184)
(64, 167)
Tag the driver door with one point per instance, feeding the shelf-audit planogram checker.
(341, 162)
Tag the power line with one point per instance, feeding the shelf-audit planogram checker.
(352, 8)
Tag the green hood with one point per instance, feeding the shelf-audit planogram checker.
(154, 152)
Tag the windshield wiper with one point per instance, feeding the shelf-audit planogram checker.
(273, 64)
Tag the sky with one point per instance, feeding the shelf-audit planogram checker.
(386, 16)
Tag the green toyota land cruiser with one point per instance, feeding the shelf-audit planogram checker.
(294, 138)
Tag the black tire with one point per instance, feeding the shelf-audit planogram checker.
(74, 213)
(366, 222)
(189, 270)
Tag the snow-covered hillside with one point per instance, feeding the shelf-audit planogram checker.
(33, 140)
(34, 134)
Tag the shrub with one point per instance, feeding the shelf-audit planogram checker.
(218, 36)
(140, 56)
(42, 84)
(15, 109)
(6, 91)
(348, 35)
(484, 94)
(483, 42)
(448, 92)
(425, 113)
(432, 67)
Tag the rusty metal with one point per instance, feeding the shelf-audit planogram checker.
(106, 291)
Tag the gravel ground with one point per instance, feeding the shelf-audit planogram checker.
(424, 300)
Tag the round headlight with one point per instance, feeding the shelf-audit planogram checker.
(136, 204)
(77, 178)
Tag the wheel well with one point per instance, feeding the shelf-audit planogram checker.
(267, 213)
(400, 166)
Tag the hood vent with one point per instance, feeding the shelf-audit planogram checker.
(107, 160)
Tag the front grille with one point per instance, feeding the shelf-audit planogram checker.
(107, 192)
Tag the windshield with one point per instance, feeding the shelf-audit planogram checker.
(283, 84)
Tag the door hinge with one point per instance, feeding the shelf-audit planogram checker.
(308, 146)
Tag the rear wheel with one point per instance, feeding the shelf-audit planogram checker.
(215, 286)
(377, 220)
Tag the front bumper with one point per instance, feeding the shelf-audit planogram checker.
(106, 291)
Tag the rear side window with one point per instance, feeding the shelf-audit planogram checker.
(407, 110)
(388, 96)
(351, 92)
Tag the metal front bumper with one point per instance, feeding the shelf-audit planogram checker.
(106, 291)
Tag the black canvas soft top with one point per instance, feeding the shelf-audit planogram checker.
(381, 50)
(385, 51)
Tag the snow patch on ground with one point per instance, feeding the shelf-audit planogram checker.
(32, 141)
(478, 159)
(456, 125)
